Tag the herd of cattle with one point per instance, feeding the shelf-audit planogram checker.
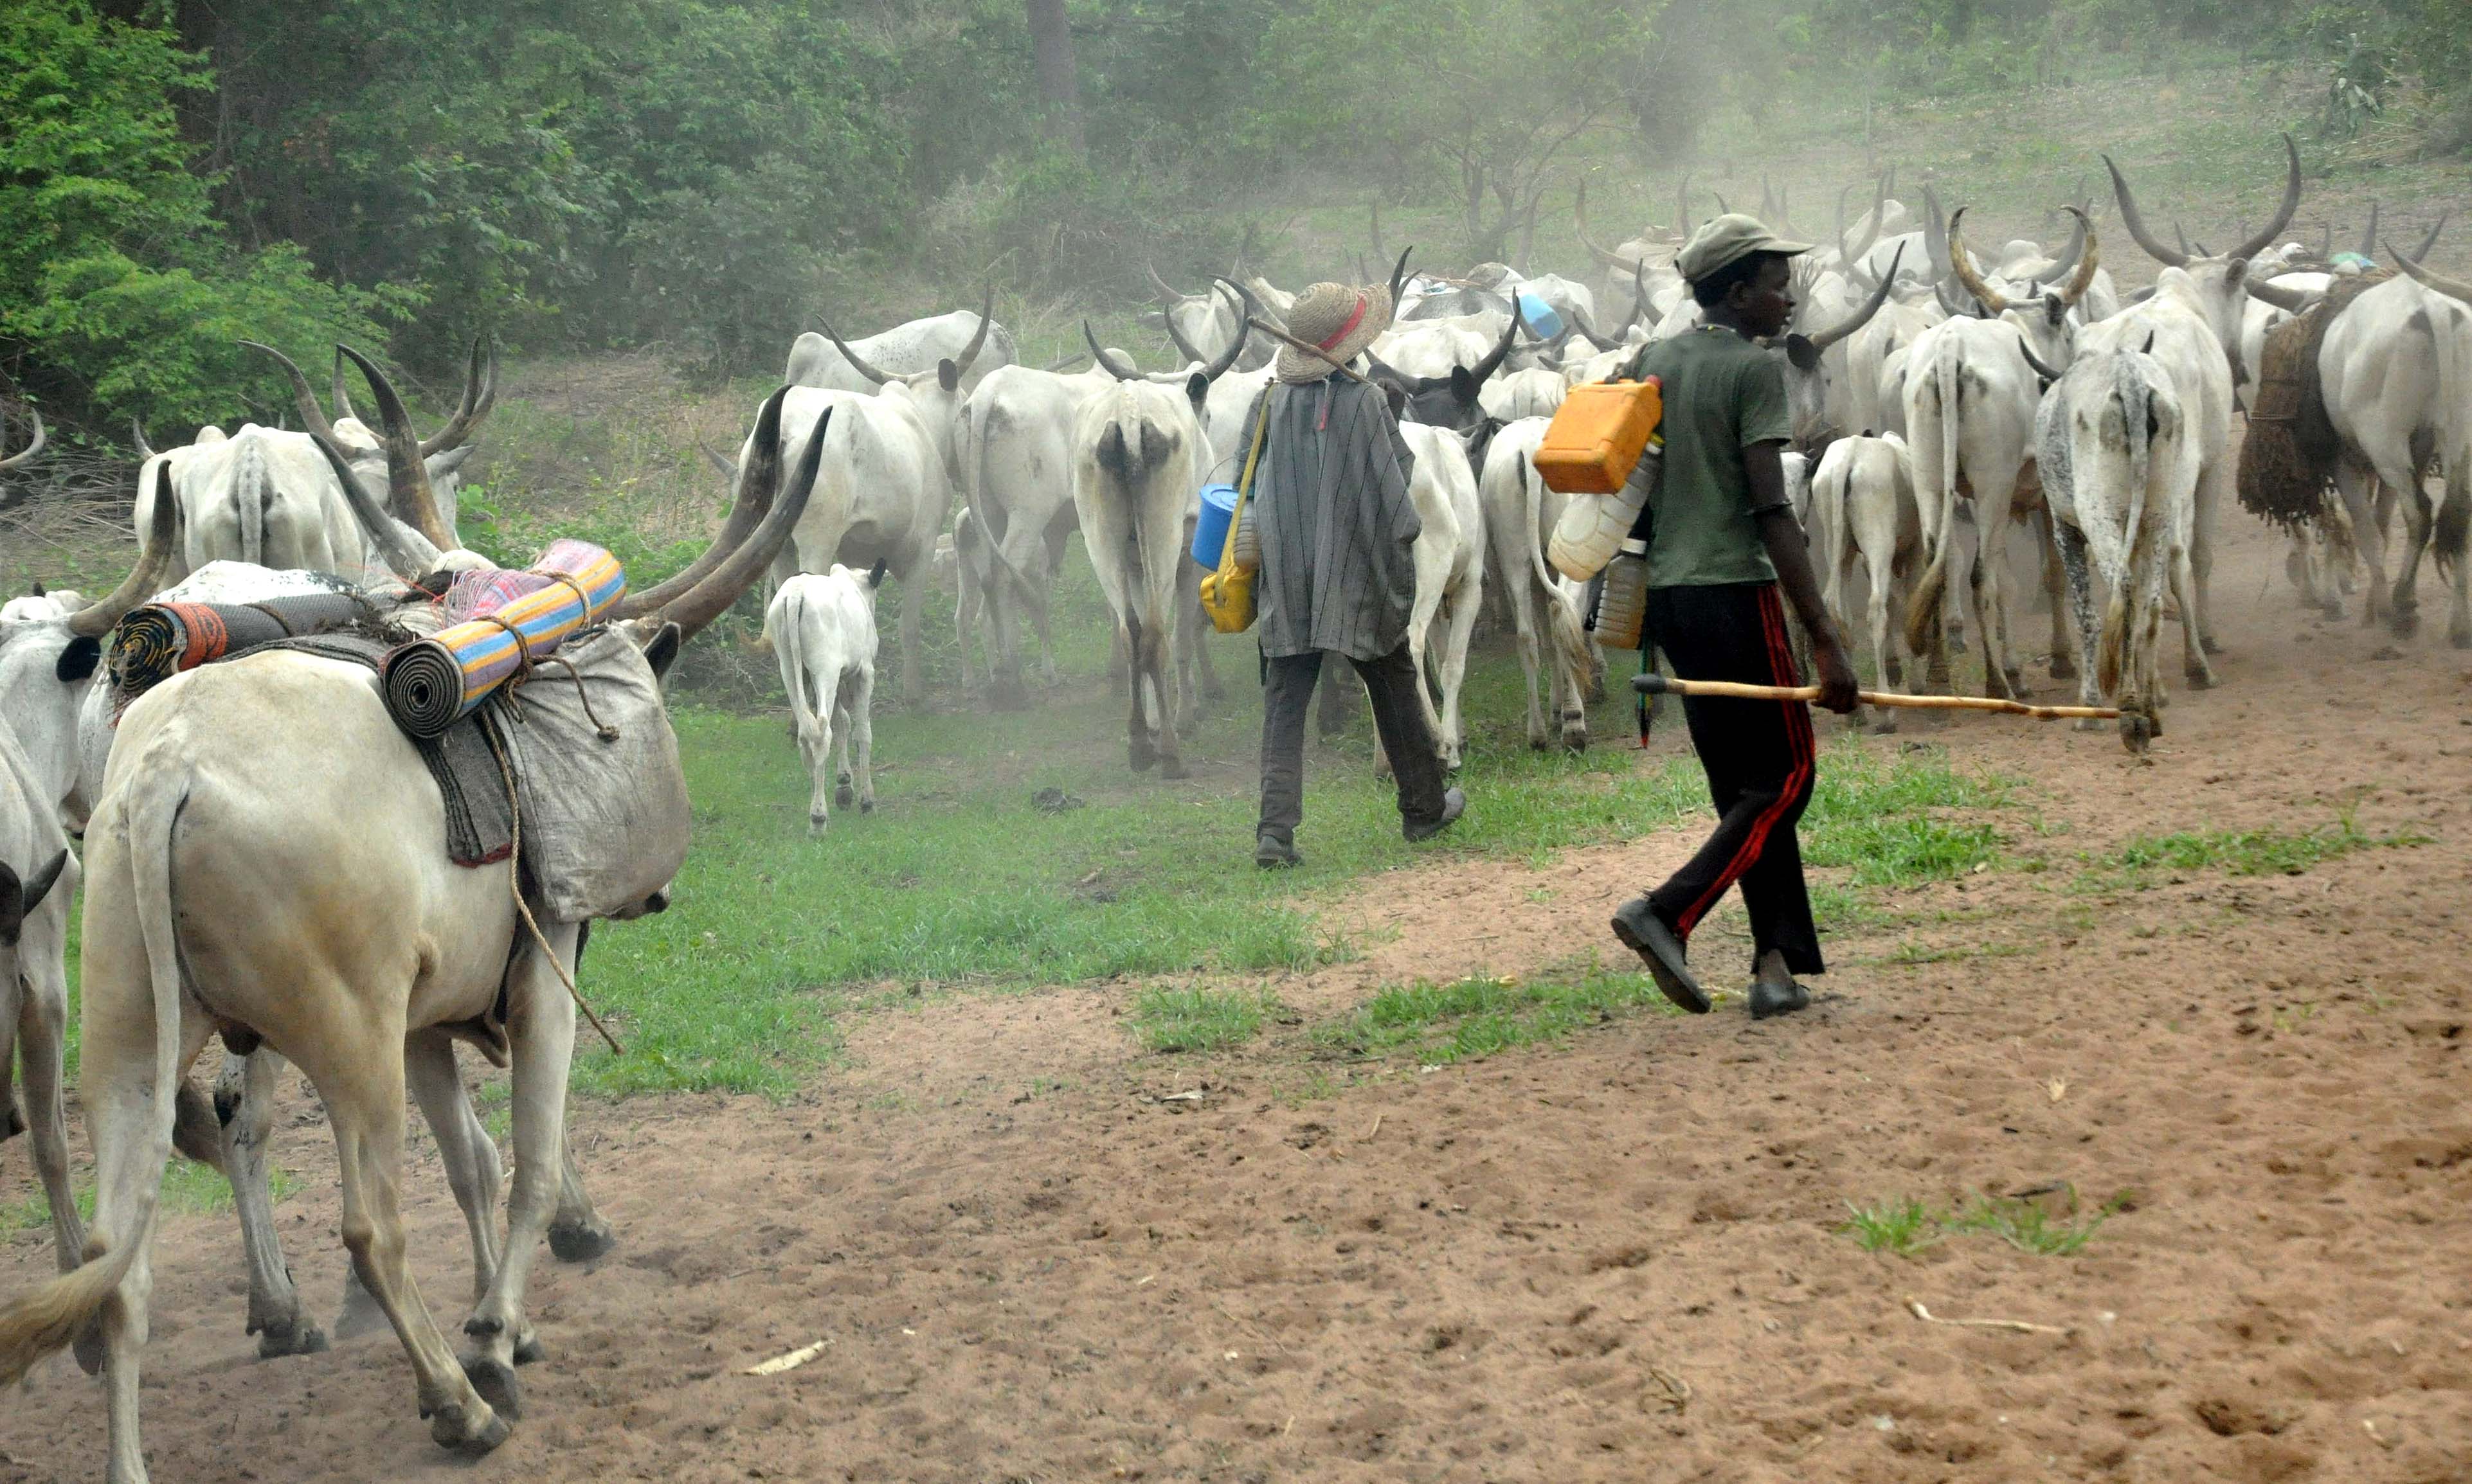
(267, 813)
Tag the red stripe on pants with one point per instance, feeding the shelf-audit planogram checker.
(1799, 740)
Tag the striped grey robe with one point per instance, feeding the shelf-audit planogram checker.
(1336, 523)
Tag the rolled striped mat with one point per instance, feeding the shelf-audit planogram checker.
(157, 641)
(431, 683)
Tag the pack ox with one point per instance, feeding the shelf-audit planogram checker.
(227, 782)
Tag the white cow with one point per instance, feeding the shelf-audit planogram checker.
(41, 604)
(1139, 451)
(2192, 324)
(904, 350)
(1519, 516)
(1864, 511)
(1014, 442)
(1970, 398)
(2120, 475)
(1534, 392)
(1449, 559)
(821, 627)
(2397, 371)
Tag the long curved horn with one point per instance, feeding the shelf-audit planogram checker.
(26, 455)
(2283, 212)
(2042, 369)
(1483, 369)
(1235, 347)
(747, 504)
(2070, 256)
(1106, 362)
(2431, 278)
(313, 417)
(154, 551)
(1400, 276)
(395, 541)
(2291, 301)
(1379, 251)
(343, 397)
(2181, 235)
(2370, 234)
(1184, 348)
(408, 489)
(2429, 241)
(979, 342)
(1861, 317)
(857, 361)
(480, 397)
(2089, 258)
(1060, 363)
(137, 430)
(712, 597)
(1603, 254)
(1638, 297)
(1935, 232)
(1682, 207)
(1962, 262)
(1168, 296)
(2135, 220)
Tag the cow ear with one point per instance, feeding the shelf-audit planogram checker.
(1464, 384)
(1804, 355)
(1397, 396)
(949, 375)
(663, 651)
(1197, 390)
(77, 661)
(875, 574)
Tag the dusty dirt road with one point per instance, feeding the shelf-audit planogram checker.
(1613, 1260)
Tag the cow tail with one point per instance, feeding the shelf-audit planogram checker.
(1922, 613)
(794, 673)
(251, 488)
(2453, 533)
(1561, 614)
(2137, 401)
(46, 1320)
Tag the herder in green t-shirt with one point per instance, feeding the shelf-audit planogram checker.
(1723, 538)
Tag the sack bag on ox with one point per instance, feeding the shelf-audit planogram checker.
(1227, 594)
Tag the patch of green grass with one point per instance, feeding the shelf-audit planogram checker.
(2136, 864)
(2030, 1229)
(1198, 1019)
(1881, 817)
(1467, 1020)
(188, 1189)
(1903, 1227)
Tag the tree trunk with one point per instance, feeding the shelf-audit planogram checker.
(1051, 46)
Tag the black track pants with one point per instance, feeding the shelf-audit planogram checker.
(1759, 758)
(1286, 696)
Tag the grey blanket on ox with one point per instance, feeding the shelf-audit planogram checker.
(596, 770)
(480, 819)
(158, 640)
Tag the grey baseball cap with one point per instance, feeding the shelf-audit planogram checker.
(1729, 238)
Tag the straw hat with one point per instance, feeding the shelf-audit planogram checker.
(1342, 318)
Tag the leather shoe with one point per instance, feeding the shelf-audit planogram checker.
(1273, 854)
(1645, 934)
(1768, 998)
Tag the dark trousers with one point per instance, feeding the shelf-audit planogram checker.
(1759, 757)
(1398, 718)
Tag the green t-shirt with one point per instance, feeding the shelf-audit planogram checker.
(1722, 395)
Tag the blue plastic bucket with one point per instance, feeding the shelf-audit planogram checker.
(1211, 532)
(1540, 317)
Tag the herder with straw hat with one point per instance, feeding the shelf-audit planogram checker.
(1329, 507)
(1725, 555)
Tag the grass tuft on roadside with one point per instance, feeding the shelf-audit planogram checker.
(1470, 1018)
(2137, 864)
(1200, 1020)
(188, 1189)
(1907, 1226)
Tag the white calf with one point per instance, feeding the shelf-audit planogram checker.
(1449, 555)
(821, 626)
(1863, 511)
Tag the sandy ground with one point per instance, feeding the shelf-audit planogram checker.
(1617, 1258)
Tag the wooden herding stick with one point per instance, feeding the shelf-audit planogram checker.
(1653, 684)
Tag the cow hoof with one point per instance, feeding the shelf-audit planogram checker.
(2206, 645)
(2137, 731)
(2333, 609)
(495, 1382)
(1141, 756)
(1886, 726)
(12, 1121)
(293, 1339)
(2460, 636)
(529, 1351)
(1575, 742)
(582, 1242)
(817, 825)
(844, 795)
(1173, 769)
(2090, 725)
(2063, 669)
(2199, 678)
(867, 806)
(449, 1429)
